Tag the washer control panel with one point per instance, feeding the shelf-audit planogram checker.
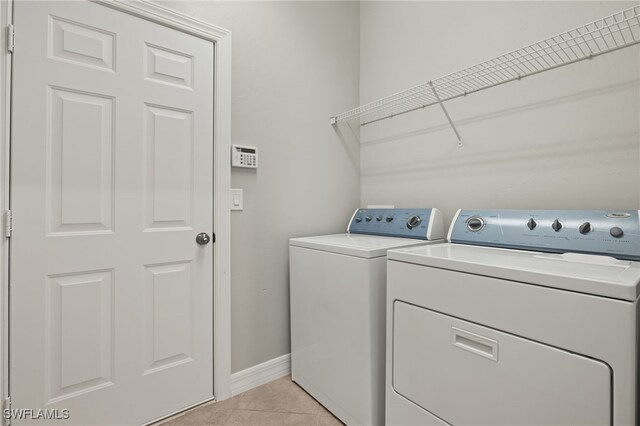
(423, 224)
(613, 233)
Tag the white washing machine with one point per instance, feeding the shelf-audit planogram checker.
(523, 317)
(338, 293)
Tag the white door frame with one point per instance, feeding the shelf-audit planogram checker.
(221, 38)
(6, 9)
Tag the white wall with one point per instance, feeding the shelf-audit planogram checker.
(294, 64)
(568, 138)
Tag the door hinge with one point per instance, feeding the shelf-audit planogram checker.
(6, 408)
(8, 223)
(11, 38)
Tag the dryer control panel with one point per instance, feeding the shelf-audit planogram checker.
(423, 224)
(613, 233)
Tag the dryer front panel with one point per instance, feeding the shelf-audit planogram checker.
(464, 373)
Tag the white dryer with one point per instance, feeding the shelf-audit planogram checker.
(523, 317)
(338, 293)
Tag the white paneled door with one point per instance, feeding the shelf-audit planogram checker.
(112, 172)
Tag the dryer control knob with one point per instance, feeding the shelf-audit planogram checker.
(616, 232)
(413, 221)
(531, 224)
(474, 224)
(585, 228)
(368, 218)
(389, 218)
(378, 218)
(556, 225)
(358, 219)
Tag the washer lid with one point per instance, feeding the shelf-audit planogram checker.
(597, 275)
(365, 246)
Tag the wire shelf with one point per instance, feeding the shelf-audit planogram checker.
(622, 29)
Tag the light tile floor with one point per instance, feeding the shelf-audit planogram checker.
(280, 402)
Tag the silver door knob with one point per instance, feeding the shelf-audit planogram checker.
(202, 239)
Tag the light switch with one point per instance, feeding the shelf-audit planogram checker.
(236, 199)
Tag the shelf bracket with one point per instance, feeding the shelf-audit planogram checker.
(453, 126)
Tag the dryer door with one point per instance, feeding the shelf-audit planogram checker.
(467, 374)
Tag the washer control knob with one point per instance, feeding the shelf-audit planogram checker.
(616, 232)
(556, 225)
(585, 228)
(368, 218)
(389, 218)
(378, 218)
(474, 224)
(413, 221)
(531, 224)
(358, 219)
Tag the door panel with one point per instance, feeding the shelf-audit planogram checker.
(169, 322)
(112, 165)
(168, 67)
(169, 168)
(82, 44)
(79, 348)
(80, 162)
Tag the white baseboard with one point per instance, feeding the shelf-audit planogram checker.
(260, 374)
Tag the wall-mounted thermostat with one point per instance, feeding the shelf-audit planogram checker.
(244, 156)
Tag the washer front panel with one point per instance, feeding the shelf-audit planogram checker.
(613, 233)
